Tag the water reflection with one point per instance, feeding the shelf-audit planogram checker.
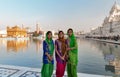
(16, 45)
(111, 53)
(38, 44)
(2, 42)
(21, 45)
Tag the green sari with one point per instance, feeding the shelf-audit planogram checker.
(47, 68)
(73, 57)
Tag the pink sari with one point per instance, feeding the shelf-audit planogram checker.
(60, 69)
(60, 64)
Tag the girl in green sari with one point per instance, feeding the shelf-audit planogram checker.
(73, 54)
(48, 61)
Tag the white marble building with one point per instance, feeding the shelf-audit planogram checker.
(111, 23)
(3, 33)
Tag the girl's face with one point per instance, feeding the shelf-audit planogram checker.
(49, 35)
(61, 35)
(70, 33)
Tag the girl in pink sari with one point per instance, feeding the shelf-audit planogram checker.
(60, 54)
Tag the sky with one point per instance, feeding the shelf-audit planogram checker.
(81, 15)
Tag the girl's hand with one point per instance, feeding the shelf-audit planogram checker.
(50, 58)
(63, 58)
(68, 49)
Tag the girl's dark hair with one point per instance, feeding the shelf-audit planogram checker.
(69, 30)
(48, 32)
(60, 32)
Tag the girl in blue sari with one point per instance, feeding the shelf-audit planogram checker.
(48, 61)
